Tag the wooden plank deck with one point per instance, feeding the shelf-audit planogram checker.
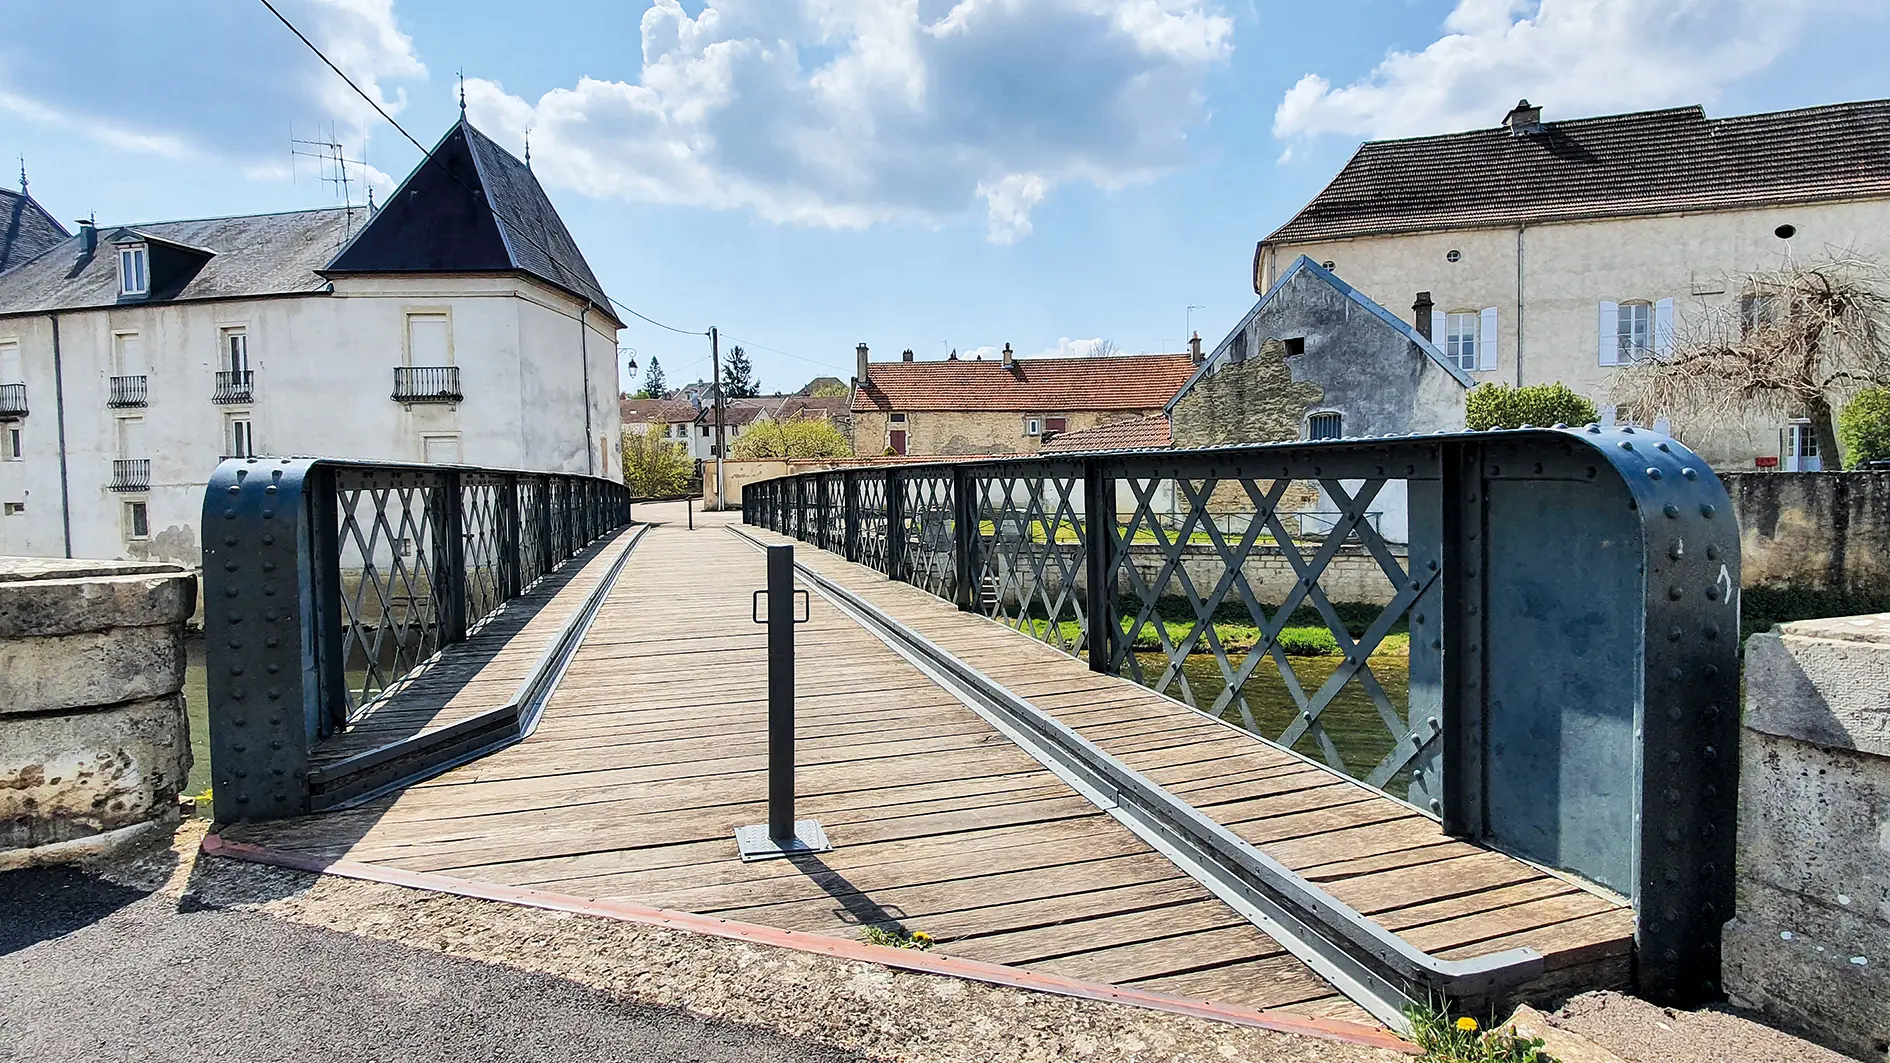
(1377, 855)
(653, 750)
(483, 672)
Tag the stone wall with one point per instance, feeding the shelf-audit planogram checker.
(1255, 401)
(1820, 531)
(1810, 943)
(950, 433)
(94, 741)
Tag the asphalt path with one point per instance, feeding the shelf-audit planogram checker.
(94, 971)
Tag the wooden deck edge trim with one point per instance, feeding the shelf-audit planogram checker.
(512, 722)
(821, 944)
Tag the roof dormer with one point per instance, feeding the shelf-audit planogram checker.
(152, 267)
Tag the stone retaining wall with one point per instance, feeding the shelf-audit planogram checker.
(1810, 944)
(93, 736)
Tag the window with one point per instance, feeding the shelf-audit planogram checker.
(241, 440)
(1052, 428)
(14, 509)
(11, 447)
(429, 339)
(1634, 332)
(128, 354)
(131, 437)
(1295, 345)
(137, 520)
(1033, 426)
(1757, 311)
(705, 431)
(1460, 339)
(1325, 426)
(896, 418)
(440, 449)
(236, 350)
(133, 270)
(12, 371)
(1798, 448)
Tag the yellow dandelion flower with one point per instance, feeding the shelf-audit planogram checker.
(1467, 1024)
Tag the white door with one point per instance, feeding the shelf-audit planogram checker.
(12, 371)
(128, 354)
(427, 342)
(1799, 448)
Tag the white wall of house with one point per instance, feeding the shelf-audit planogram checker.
(323, 368)
(1545, 285)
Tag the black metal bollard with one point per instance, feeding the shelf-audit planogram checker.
(782, 835)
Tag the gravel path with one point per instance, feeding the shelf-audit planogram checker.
(98, 971)
(795, 1005)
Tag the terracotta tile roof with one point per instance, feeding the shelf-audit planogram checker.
(1041, 385)
(1649, 162)
(1135, 433)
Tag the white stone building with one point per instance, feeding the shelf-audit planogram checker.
(458, 323)
(1539, 251)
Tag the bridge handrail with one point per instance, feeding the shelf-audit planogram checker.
(1571, 593)
(329, 583)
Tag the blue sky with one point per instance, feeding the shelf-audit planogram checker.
(812, 174)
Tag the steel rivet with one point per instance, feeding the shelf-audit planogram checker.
(1627, 445)
(229, 514)
(1671, 510)
(1675, 592)
(1676, 674)
(1707, 511)
(1712, 552)
(1436, 805)
(270, 490)
(233, 489)
(1690, 473)
(1653, 474)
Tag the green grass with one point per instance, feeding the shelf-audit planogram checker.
(1445, 1039)
(1038, 531)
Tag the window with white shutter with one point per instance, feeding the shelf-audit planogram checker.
(1663, 328)
(1486, 338)
(1460, 338)
(1610, 343)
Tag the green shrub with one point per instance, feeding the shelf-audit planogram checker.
(1308, 642)
(1863, 427)
(1501, 406)
(1761, 607)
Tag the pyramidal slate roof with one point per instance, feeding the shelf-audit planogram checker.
(1645, 163)
(471, 207)
(26, 230)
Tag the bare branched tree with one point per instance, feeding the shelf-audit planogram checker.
(1804, 337)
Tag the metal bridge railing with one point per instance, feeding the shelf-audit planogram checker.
(328, 583)
(1531, 635)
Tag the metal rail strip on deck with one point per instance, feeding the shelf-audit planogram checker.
(1372, 966)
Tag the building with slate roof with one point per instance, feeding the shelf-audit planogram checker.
(26, 229)
(1007, 405)
(457, 323)
(1557, 250)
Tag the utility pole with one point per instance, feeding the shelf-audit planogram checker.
(715, 383)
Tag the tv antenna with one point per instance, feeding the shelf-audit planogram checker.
(331, 163)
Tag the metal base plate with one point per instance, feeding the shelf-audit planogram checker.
(755, 844)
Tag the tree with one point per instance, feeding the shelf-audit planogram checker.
(825, 387)
(1864, 427)
(654, 386)
(654, 467)
(1804, 336)
(1501, 406)
(1104, 349)
(738, 379)
(799, 437)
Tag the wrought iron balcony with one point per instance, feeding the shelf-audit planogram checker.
(426, 383)
(234, 386)
(129, 391)
(131, 474)
(12, 400)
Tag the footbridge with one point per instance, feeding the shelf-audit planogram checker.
(1296, 735)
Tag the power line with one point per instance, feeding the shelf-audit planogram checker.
(428, 156)
(784, 354)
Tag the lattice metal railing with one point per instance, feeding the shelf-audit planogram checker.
(1459, 621)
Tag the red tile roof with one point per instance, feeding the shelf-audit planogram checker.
(655, 411)
(1035, 385)
(1134, 433)
(1650, 162)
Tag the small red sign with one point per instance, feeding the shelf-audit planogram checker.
(1766, 463)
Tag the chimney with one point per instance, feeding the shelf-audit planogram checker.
(1194, 348)
(1010, 359)
(1523, 119)
(906, 355)
(859, 367)
(1421, 315)
(952, 357)
(88, 236)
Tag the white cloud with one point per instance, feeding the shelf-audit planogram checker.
(849, 113)
(1572, 57)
